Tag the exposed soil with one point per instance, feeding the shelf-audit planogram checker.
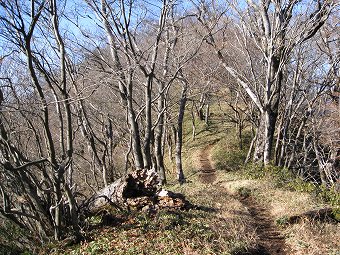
(271, 241)
(207, 172)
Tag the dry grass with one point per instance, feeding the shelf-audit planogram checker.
(228, 217)
(314, 238)
(282, 202)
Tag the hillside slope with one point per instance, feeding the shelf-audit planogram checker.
(234, 213)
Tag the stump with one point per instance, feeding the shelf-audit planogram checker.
(139, 190)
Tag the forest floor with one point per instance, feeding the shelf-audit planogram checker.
(234, 213)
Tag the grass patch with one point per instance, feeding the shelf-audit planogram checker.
(314, 238)
(283, 178)
(243, 192)
(230, 160)
(227, 154)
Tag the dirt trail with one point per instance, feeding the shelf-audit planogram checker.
(207, 172)
(271, 241)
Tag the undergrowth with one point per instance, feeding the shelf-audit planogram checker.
(211, 228)
(13, 239)
(283, 178)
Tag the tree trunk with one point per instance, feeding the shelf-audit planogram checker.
(159, 136)
(193, 125)
(200, 107)
(279, 140)
(57, 208)
(321, 163)
(137, 184)
(251, 147)
(171, 135)
(73, 211)
(259, 143)
(147, 134)
(239, 128)
(207, 113)
(134, 130)
(160, 159)
(179, 140)
(139, 190)
(265, 137)
(270, 121)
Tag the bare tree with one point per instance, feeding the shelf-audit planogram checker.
(40, 157)
(128, 54)
(146, 67)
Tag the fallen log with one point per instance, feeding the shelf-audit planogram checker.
(139, 190)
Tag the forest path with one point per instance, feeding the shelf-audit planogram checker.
(207, 172)
(271, 240)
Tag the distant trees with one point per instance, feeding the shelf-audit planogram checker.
(271, 39)
(266, 33)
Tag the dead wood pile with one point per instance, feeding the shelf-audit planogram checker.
(138, 190)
